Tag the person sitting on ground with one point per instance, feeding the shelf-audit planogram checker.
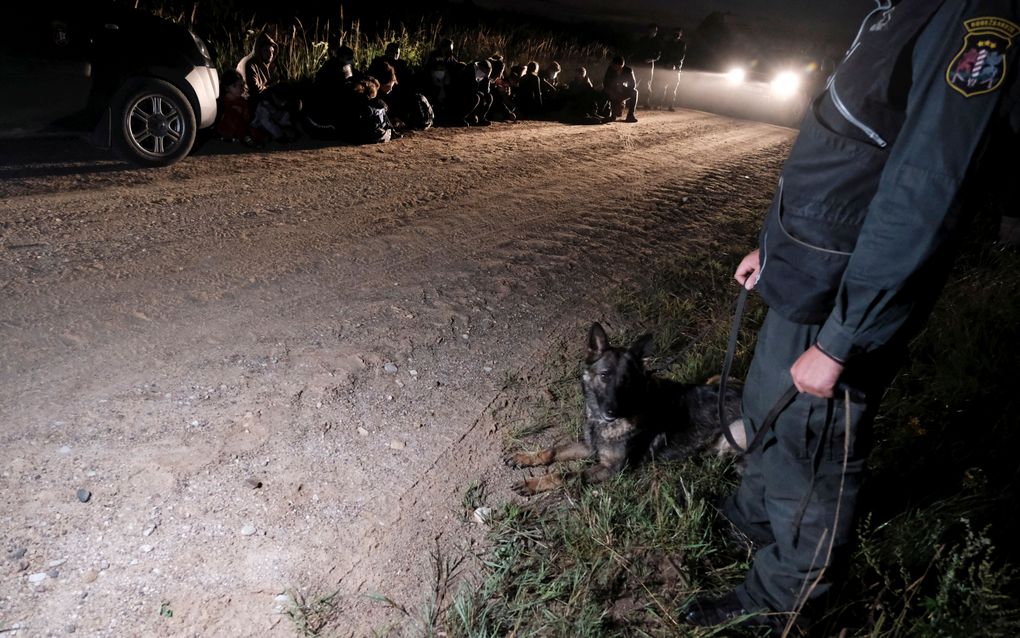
(435, 84)
(481, 73)
(444, 52)
(581, 80)
(468, 96)
(405, 77)
(338, 68)
(551, 75)
(552, 98)
(408, 108)
(620, 87)
(529, 93)
(386, 75)
(502, 92)
(233, 114)
(582, 104)
(364, 115)
(515, 75)
(323, 116)
(270, 101)
(258, 68)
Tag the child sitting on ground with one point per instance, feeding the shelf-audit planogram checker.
(233, 115)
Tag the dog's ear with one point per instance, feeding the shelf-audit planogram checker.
(598, 341)
(642, 347)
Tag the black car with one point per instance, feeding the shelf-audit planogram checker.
(129, 80)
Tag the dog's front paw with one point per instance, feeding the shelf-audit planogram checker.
(525, 487)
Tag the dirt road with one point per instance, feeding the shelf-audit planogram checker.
(335, 326)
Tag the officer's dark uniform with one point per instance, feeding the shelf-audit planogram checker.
(646, 55)
(668, 69)
(854, 251)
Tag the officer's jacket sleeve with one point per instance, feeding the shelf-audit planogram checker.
(915, 210)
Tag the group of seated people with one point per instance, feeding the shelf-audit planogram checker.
(373, 105)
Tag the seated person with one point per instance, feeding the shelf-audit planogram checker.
(330, 90)
(620, 87)
(502, 92)
(582, 104)
(233, 113)
(272, 103)
(529, 93)
(407, 107)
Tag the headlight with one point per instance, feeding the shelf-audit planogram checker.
(736, 75)
(786, 84)
(201, 48)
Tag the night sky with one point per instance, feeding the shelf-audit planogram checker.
(831, 16)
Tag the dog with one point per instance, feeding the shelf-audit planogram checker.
(633, 417)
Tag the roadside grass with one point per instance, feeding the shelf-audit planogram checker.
(314, 616)
(303, 48)
(625, 558)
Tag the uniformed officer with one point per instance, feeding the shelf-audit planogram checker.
(667, 75)
(646, 55)
(854, 250)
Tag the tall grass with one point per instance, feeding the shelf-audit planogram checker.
(303, 48)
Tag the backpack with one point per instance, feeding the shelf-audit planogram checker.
(420, 114)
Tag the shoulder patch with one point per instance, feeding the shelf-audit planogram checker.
(980, 65)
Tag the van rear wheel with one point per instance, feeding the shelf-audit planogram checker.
(153, 123)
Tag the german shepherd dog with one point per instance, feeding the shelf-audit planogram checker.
(633, 417)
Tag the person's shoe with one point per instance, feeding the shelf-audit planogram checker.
(630, 119)
(484, 122)
(709, 612)
(671, 109)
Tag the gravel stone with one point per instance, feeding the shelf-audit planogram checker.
(248, 530)
(84, 495)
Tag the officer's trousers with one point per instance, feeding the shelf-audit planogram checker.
(645, 76)
(794, 496)
(668, 81)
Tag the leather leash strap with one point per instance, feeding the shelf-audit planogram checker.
(777, 409)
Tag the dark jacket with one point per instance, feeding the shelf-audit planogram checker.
(673, 54)
(858, 233)
(620, 82)
(647, 52)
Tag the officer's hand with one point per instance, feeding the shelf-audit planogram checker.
(815, 373)
(747, 271)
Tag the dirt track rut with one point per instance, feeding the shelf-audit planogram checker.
(168, 334)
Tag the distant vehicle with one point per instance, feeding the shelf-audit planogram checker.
(127, 79)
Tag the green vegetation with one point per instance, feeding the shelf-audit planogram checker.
(625, 558)
(303, 48)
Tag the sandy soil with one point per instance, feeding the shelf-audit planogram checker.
(335, 325)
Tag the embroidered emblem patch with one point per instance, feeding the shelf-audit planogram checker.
(980, 66)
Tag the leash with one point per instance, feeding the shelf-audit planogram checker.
(777, 409)
(781, 404)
